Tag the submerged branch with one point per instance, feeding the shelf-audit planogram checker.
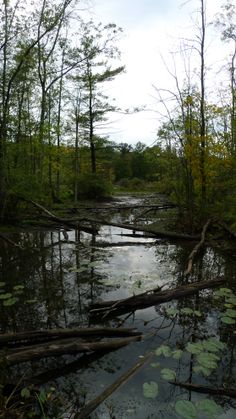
(23, 338)
(197, 248)
(219, 391)
(91, 406)
(59, 348)
(150, 298)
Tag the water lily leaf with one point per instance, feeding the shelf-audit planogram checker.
(197, 313)
(10, 302)
(194, 348)
(171, 311)
(187, 311)
(2, 284)
(5, 296)
(168, 374)
(232, 300)
(186, 409)
(207, 360)
(163, 350)
(177, 354)
(18, 287)
(25, 393)
(155, 364)
(209, 407)
(213, 345)
(223, 292)
(227, 320)
(202, 370)
(230, 313)
(150, 390)
(31, 301)
(228, 305)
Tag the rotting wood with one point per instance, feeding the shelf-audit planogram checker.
(91, 406)
(146, 229)
(63, 221)
(150, 298)
(11, 242)
(122, 244)
(119, 207)
(197, 248)
(62, 348)
(219, 391)
(46, 335)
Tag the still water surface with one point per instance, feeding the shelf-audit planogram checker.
(62, 277)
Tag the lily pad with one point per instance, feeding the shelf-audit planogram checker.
(186, 409)
(168, 374)
(150, 390)
(209, 407)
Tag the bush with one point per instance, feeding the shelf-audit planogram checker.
(93, 186)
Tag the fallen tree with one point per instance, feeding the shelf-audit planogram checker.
(197, 248)
(35, 336)
(62, 347)
(145, 229)
(150, 298)
(63, 221)
(219, 391)
(91, 406)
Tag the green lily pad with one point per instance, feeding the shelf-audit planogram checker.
(186, 409)
(150, 390)
(168, 374)
(227, 320)
(209, 407)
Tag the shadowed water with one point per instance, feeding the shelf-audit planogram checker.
(60, 278)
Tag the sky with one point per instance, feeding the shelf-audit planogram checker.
(152, 30)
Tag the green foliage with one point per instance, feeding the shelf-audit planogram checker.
(93, 186)
(186, 409)
(150, 390)
(168, 374)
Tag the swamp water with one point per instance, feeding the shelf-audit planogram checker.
(53, 286)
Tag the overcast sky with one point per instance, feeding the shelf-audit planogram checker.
(152, 28)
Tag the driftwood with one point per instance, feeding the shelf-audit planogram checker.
(63, 221)
(146, 229)
(150, 298)
(119, 207)
(11, 242)
(91, 406)
(122, 244)
(58, 348)
(219, 391)
(23, 338)
(197, 248)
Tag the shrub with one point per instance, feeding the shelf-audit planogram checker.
(93, 186)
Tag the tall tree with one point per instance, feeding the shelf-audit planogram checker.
(98, 49)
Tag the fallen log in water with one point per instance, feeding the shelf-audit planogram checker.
(59, 348)
(63, 221)
(24, 338)
(146, 229)
(91, 406)
(219, 391)
(197, 248)
(150, 298)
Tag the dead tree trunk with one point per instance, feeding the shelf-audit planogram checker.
(150, 298)
(219, 391)
(59, 348)
(91, 406)
(197, 248)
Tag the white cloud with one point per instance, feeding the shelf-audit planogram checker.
(152, 28)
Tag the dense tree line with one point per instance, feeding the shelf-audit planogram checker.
(53, 69)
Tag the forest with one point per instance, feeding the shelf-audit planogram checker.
(107, 245)
(54, 70)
